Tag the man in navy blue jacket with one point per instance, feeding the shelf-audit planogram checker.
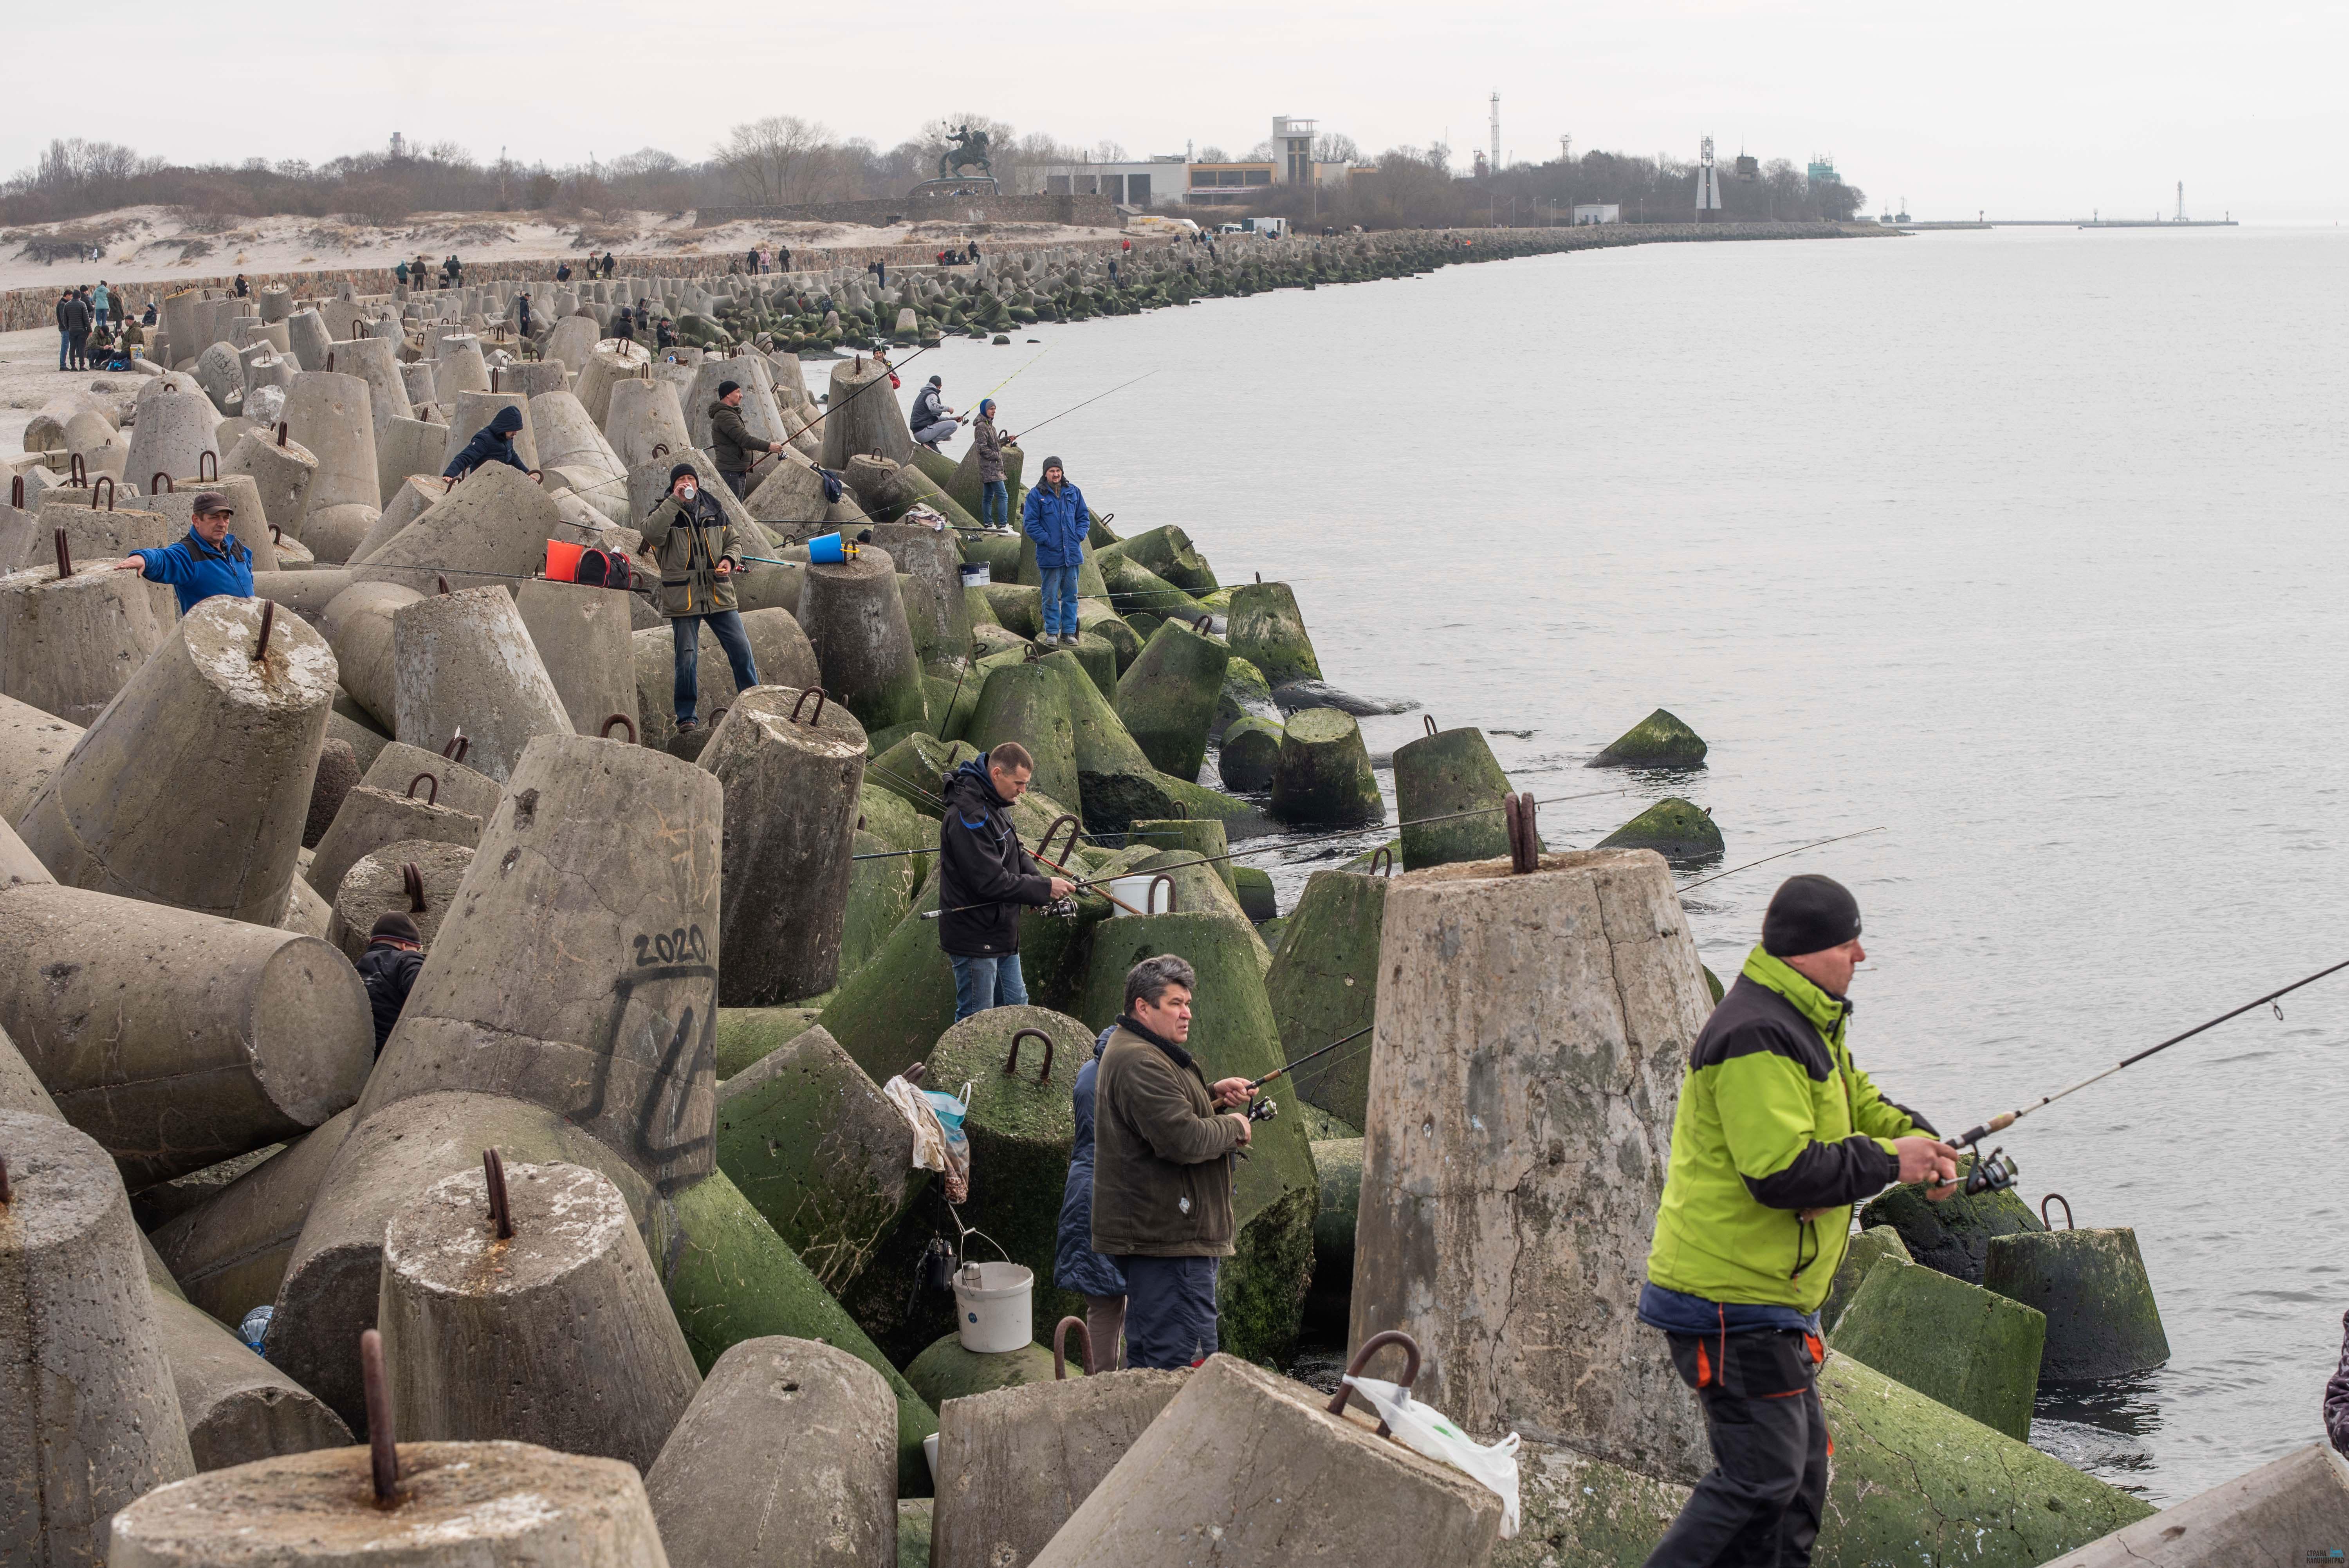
(1055, 515)
(493, 443)
(208, 560)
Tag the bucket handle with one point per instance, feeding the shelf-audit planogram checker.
(1011, 1061)
(412, 881)
(1370, 1346)
(1150, 896)
(432, 779)
(1060, 1346)
(620, 718)
(2055, 1197)
(1044, 845)
(797, 701)
(1382, 860)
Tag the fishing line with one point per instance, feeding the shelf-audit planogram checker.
(1749, 866)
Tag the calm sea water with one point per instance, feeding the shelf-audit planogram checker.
(2021, 545)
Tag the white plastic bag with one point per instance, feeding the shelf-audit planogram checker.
(1424, 1429)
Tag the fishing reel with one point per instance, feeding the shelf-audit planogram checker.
(1063, 909)
(1263, 1108)
(1992, 1172)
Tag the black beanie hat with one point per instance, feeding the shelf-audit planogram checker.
(937, 381)
(727, 389)
(1808, 914)
(680, 470)
(1055, 462)
(396, 925)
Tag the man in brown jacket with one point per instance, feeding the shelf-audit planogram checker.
(738, 450)
(1163, 1169)
(698, 550)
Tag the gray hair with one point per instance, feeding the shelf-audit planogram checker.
(1148, 981)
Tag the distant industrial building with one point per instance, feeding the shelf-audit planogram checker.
(1162, 180)
(1597, 212)
(1823, 171)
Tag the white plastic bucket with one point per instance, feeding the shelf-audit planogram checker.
(1135, 892)
(930, 1452)
(976, 574)
(993, 1304)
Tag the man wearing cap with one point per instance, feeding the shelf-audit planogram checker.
(208, 560)
(698, 550)
(1778, 1135)
(933, 422)
(387, 968)
(493, 443)
(738, 451)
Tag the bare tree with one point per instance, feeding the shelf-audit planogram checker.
(1336, 147)
(770, 160)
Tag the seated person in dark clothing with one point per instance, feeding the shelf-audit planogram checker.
(394, 953)
(493, 443)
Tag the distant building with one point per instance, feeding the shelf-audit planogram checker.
(1157, 181)
(1225, 184)
(1597, 212)
(1823, 169)
(1151, 182)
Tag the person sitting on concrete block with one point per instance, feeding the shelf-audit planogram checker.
(737, 450)
(932, 421)
(1162, 1168)
(493, 443)
(698, 550)
(1776, 1136)
(207, 561)
(985, 874)
(395, 952)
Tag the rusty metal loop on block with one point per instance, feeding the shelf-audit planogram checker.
(276, 535)
(65, 556)
(1203, 625)
(493, 1172)
(1044, 845)
(1061, 1346)
(1150, 896)
(1524, 841)
(162, 484)
(1371, 1347)
(202, 458)
(661, 449)
(819, 695)
(535, 474)
(620, 718)
(17, 491)
(330, 360)
(459, 745)
(383, 1451)
(107, 481)
(1011, 1061)
(7, 1193)
(441, 581)
(170, 386)
(268, 624)
(493, 378)
(434, 780)
(2055, 1197)
(1382, 860)
(78, 471)
(1428, 720)
(412, 881)
(281, 432)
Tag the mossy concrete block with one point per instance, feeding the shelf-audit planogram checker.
(1096, 619)
(1027, 703)
(730, 1278)
(1858, 1257)
(946, 1371)
(1205, 840)
(1324, 985)
(1337, 1163)
(1582, 1511)
(1658, 741)
(1266, 629)
(1168, 697)
(880, 891)
(1017, 608)
(1953, 1235)
(1197, 889)
(1098, 654)
(2092, 1285)
(745, 1034)
(1250, 754)
(1917, 1485)
(913, 1531)
(1022, 1128)
(1168, 551)
(1448, 793)
(889, 1013)
(1253, 887)
(1323, 776)
(1246, 694)
(913, 768)
(1975, 1351)
(1001, 552)
(810, 1139)
(1133, 590)
(1118, 785)
(2265, 1518)
(893, 819)
(1677, 829)
(1272, 931)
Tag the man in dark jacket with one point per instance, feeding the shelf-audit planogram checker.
(493, 443)
(932, 421)
(1055, 515)
(206, 561)
(1162, 1168)
(74, 320)
(735, 449)
(994, 497)
(64, 329)
(1075, 1265)
(387, 968)
(522, 313)
(984, 876)
(624, 325)
(698, 550)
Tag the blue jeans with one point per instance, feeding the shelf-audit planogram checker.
(684, 631)
(1170, 1311)
(65, 348)
(1059, 600)
(994, 504)
(984, 982)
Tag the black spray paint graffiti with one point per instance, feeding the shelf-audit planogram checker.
(661, 1036)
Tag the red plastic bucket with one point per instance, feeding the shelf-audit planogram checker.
(563, 561)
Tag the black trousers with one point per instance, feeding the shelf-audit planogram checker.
(1759, 1506)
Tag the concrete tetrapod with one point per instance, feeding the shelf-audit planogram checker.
(176, 1039)
(1260, 1290)
(2092, 1286)
(1193, 1487)
(1440, 780)
(89, 1417)
(778, 647)
(1324, 777)
(557, 1333)
(174, 433)
(229, 1254)
(569, 443)
(357, 625)
(307, 337)
(1167, 551)
(1867, 1248)
(465, 660)
(1508, 1199)
(33, 746)
(376, 361)
(399, 765)
(859, 419)
(377, 884)
(1268, 631)
(856, 624)
(1679, 830)
(486, 1505)
(495, 520)
(1324, 985)
(1166, 696)
(1953, 1235)
(67, 646)
(582, 637)
(371, 818)
(1250, 754)
(2263, 1520)
(1658, 741)
(1975, 1351)
(944, 1371)
(934, 602)
(1202, 839)
(889, 1013)
(749, 1035)
(1029, 704)
(282, 471)
(1116, 783)
(816, 1148)
(1017, 1462)
(786, 1458)
(236, 1407)
(644, 414)
(792, 766)
(407, 451)
(332, 415)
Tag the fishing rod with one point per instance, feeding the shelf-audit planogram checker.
(1749, 866)
(969, 414)
(1064, 413)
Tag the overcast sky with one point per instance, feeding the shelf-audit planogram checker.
(2037, 109)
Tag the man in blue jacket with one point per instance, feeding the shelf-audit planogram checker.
(493, 443)
(208, 561)
(1055, 517)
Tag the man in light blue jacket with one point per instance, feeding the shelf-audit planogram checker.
(1056, 518)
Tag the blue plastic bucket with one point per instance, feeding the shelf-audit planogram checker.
(826, 549)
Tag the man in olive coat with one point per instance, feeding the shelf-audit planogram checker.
(738, 451)
(699, 551)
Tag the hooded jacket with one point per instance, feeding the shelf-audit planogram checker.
(1162, 1153)
(731, 444)
(487, 447)
(198, 571)
(1075, 1265)
(989, 447)
(984, 874)
(688, 541)
(389, 973)
(1058, 521)
(1773, 1119)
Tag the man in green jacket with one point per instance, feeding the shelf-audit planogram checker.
(698, 551)
(1778, 1135)
(735, 449)
(1162, 1170)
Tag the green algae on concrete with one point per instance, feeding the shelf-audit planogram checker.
(915, 768)
(1205, 839)
(1448, 793)
(913, 1531)
(1272, 930)
(1337, 1163)
(946, 1371)
(1168, 697)
(1134, 589)
(1585, 1512)
(1266, 629)
(1324, 777)
(747, 1034)
(1250, 754)
(1116, 781)
(2092, 1284)
(1096, 619)
(1324, 985)
(1168, 551)
(1861, 1255)
(999, 551)
(730, 1278)
(1253, 887)
(1959, 1343)
(1198, 890)
(1658, 741)
(1953, 1235)
(880, 891)
(1245, 695)
(890, 818)
(1029, 705)
(890, 1012)
(1677, 829)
